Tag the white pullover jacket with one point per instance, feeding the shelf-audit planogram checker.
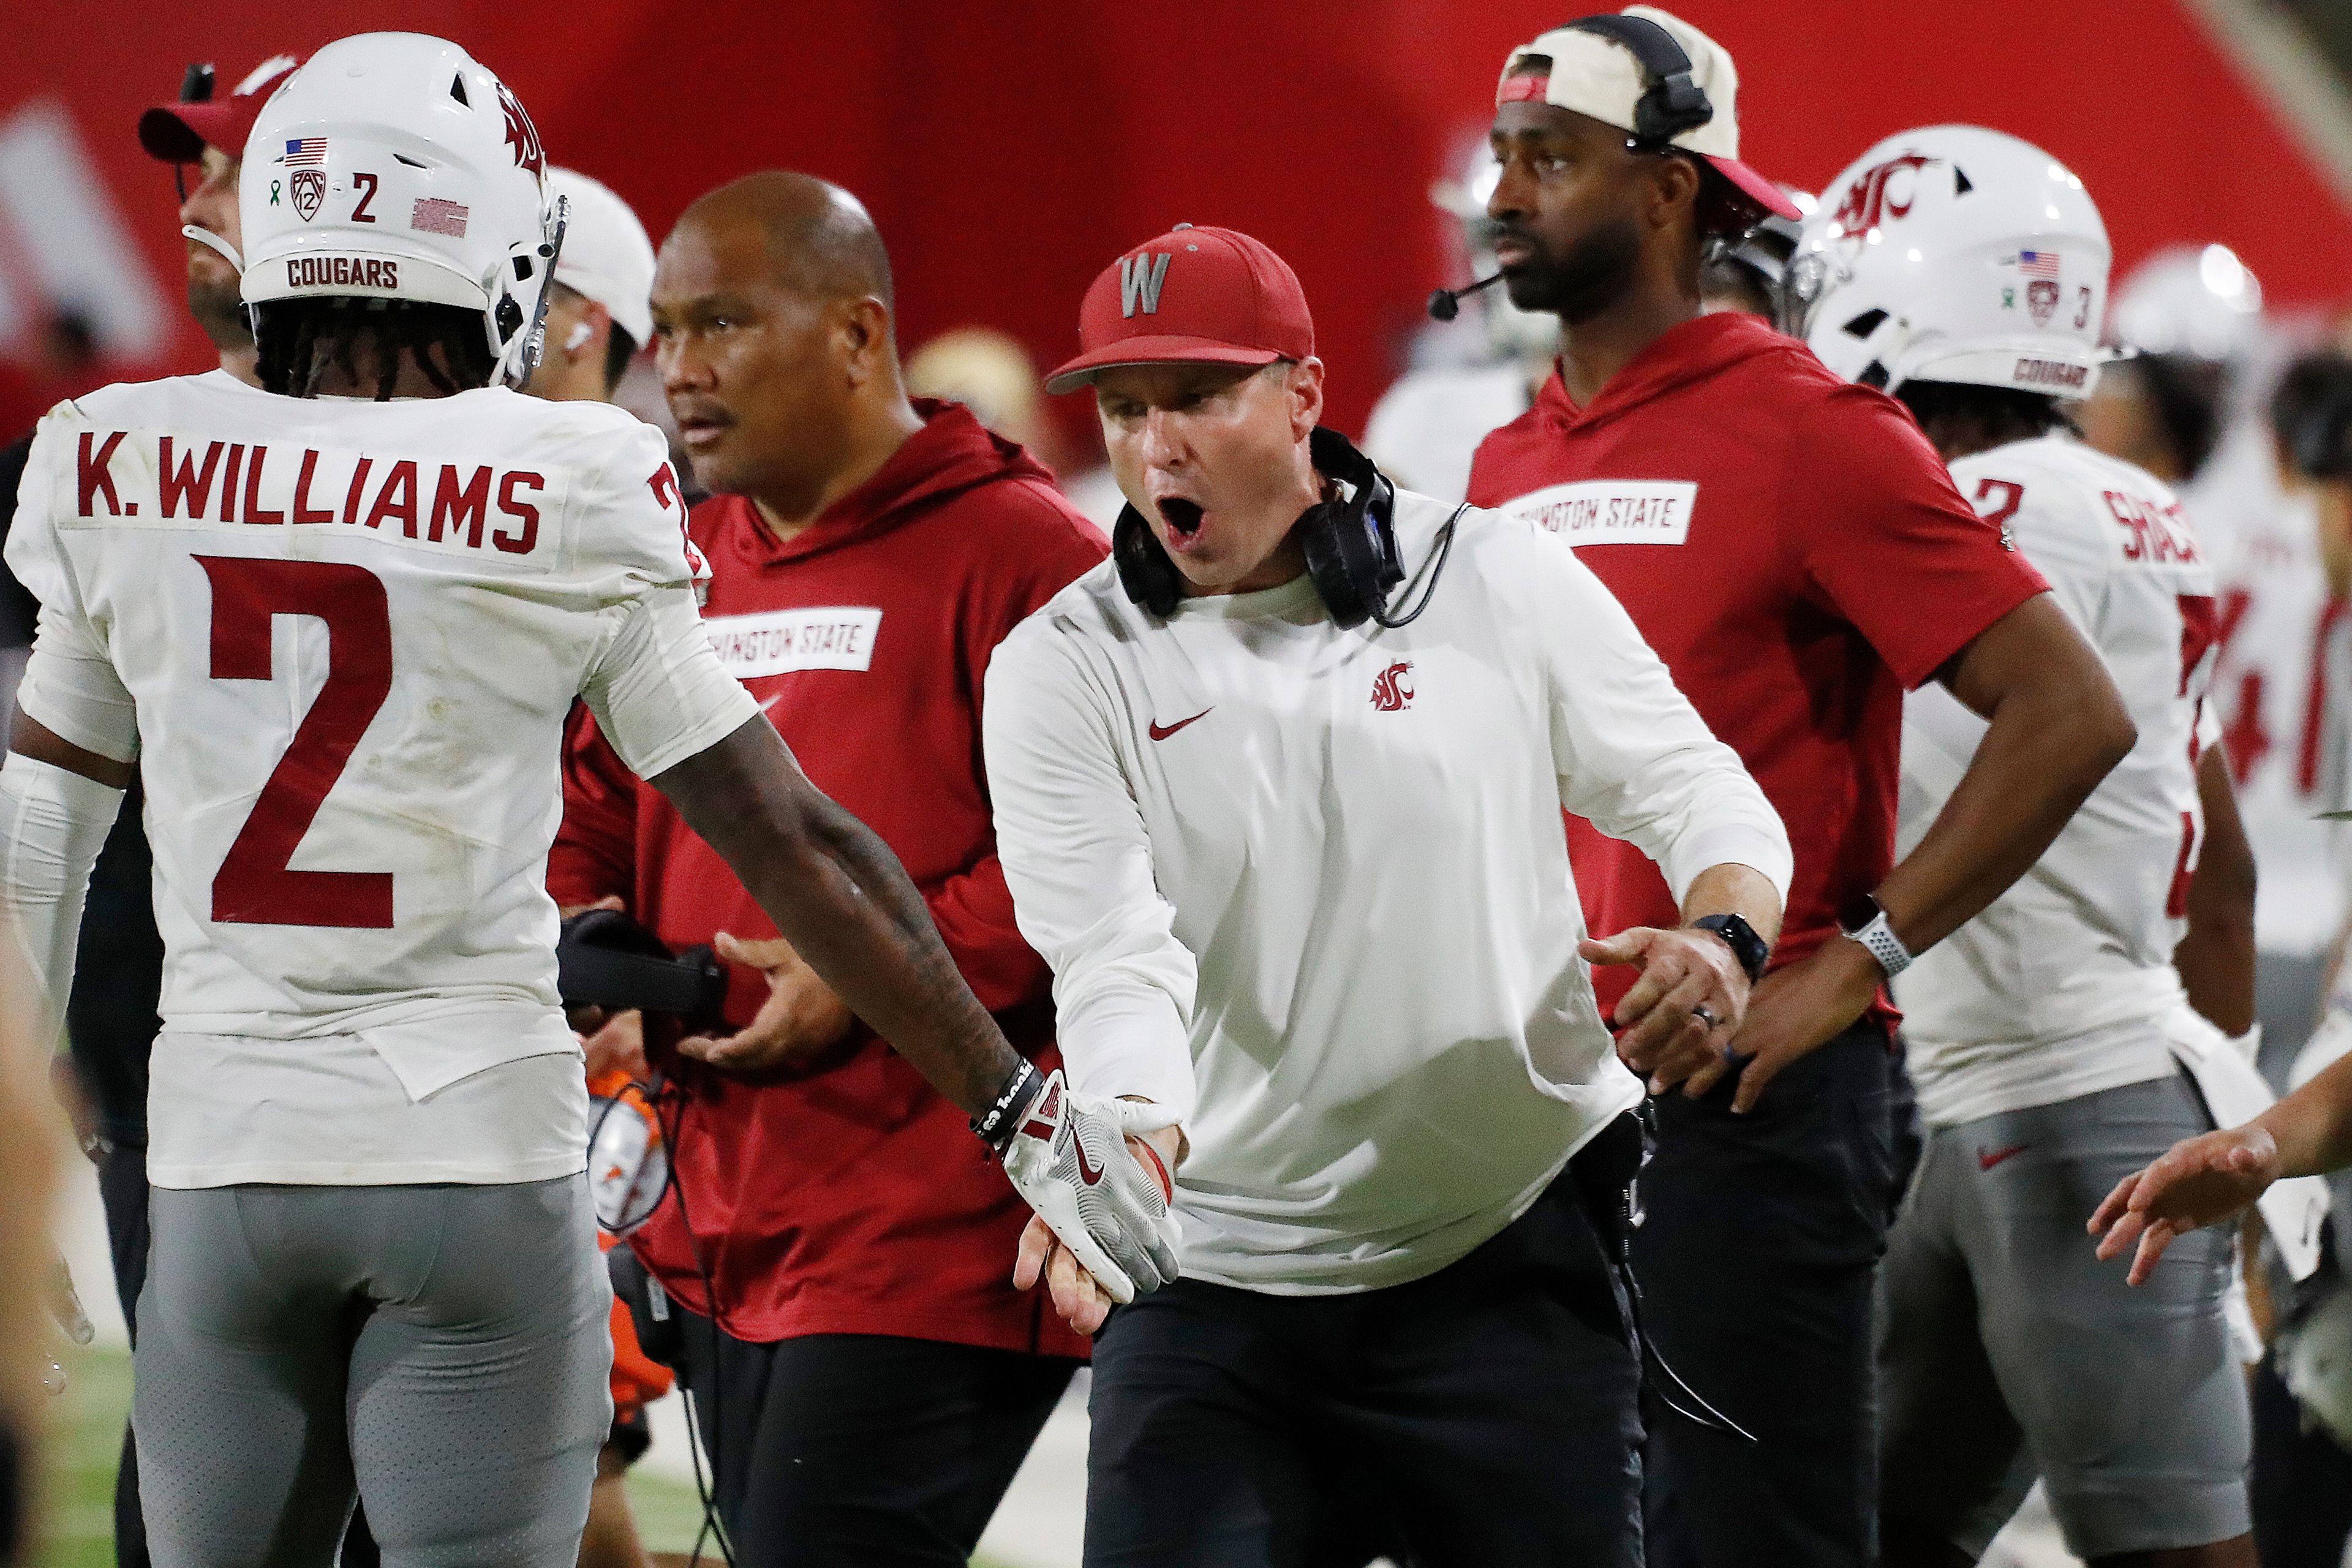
(1309, 887)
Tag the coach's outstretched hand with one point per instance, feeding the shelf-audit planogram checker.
(1689, 1001)
(2201, 1181)
(1107, 1206)
(2197, 1182)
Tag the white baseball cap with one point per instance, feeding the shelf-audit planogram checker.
(1594, 66)
(607, 257)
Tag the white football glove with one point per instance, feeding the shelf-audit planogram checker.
(1069, 1158)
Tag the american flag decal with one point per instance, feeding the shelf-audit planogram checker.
(2038, 264)
(307, 152)
(431, 214)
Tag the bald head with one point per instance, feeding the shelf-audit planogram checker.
(774, 339)
(820, 242)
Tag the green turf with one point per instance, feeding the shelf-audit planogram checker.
(79, 1451)
(83, 1441)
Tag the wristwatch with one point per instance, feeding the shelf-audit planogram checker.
(1752, 950)
(1863, 918)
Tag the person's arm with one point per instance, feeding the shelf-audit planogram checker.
(803, 1026)
(1634, 758)
(2056, 727)
(57, 802)
(837, 894)
(18, 610)
(2216, 958)
(1077, 858)
(2205, 1180)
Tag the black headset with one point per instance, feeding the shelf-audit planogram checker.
(1351, 543)
(1673, 104)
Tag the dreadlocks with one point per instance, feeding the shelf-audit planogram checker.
(1982, 417)
(299, 340)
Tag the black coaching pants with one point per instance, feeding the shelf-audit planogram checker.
(1483, 1416)
(857, 1450)
(1757, 1244)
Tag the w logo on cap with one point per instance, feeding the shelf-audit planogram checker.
(1140, 279)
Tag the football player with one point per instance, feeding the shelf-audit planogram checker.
(2052, 1037)
(337, 620)
(2188, 406)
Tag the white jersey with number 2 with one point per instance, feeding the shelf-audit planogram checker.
(340, 637)
(2053, 989)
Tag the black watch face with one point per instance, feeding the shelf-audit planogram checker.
(1741, 937)
(1857, 912)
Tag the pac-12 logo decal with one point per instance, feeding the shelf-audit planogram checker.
(2039, 269)
(1392, 687)
(1880, 192)
(310, 190)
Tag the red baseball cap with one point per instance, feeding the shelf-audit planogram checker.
(1193, 296)
(179, 132)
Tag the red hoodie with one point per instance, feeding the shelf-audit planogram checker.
(855, 1200)
(1793, 549)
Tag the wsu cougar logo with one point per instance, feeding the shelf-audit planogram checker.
(1392, 687)
(1868, 200)
(521, 135)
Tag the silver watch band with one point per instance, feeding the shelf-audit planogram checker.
(1879, 937)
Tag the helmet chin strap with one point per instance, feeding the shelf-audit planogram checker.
(207, 237)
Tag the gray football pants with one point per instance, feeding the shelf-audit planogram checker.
(443, 1352)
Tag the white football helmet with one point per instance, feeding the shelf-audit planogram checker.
(2199, 300)
(393, 165)
(1953, 253)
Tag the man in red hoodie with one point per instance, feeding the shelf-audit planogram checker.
(1792, 548)
(865, 1376)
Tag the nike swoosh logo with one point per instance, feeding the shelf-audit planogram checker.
(1087, 1169)
(1988, 1159)
(1159, 732)
(772, 702)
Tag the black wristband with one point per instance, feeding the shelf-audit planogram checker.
(996, 1125)
(1752, 952)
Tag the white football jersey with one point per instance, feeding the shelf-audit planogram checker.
(2049, 993)
(2280, 698)
(342, 637)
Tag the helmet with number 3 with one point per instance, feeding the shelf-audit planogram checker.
(1953, 253)
(395, 166)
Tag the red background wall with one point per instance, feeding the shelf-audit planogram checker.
(1009, 149)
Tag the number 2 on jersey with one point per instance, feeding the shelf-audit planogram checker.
(255, 886)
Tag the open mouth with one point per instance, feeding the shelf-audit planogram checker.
(1183, 516)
